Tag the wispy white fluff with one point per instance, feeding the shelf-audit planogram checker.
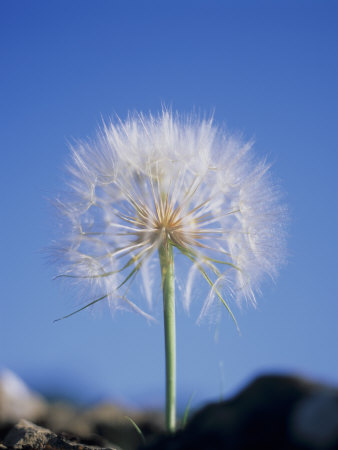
(165, 177)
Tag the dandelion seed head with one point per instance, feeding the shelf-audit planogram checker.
(151, 180)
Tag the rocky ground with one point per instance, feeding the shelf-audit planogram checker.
(272, 413)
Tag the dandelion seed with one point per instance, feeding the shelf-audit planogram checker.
(160, 185)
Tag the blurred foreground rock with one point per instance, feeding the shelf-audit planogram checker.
(271, 413)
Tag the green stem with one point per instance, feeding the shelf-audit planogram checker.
(168, 285)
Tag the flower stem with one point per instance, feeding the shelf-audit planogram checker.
(168, 286)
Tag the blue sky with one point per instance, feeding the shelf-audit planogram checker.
(267, 70)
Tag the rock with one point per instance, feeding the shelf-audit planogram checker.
(112, 422)
(103, 423)
(99, 425)
(17, 401)
(28, 436)
(65, 417)
(272, 413)
(314, 421)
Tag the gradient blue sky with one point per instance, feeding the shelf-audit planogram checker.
(266, 69)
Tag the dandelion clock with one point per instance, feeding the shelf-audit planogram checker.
(152, 187)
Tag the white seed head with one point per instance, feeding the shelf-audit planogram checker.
(155, 179)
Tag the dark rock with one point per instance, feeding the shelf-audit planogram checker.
(272, 413)
(4, 429)
(314, 421)
(28, 436)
